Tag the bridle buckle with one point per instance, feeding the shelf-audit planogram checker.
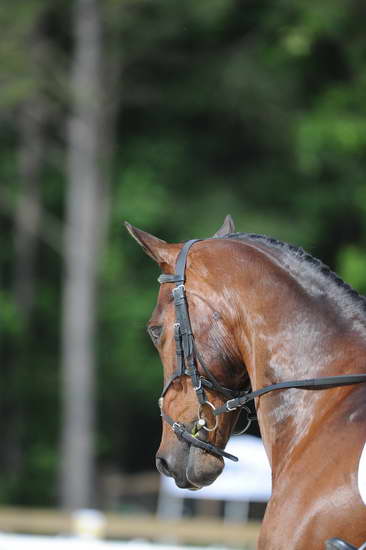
(178, 429)
(181, 288)
(197, 388)
(227, 405)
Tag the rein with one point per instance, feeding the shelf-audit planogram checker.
(322, 383)
(188, 358)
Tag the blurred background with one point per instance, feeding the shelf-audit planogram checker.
(170, 115)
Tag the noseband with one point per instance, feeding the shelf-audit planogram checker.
(188, 359)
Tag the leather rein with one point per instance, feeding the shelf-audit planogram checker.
(188, 359)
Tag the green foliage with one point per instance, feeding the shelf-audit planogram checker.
(10, 322)
(257, 109)
(352, 266)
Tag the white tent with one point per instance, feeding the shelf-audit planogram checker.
(248, 480)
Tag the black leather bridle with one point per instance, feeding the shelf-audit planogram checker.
(188, 359)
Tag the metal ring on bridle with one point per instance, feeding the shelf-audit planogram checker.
(249, 420)
(201, 418)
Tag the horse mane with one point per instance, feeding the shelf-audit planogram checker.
(344, 294)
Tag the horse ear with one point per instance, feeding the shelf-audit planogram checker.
(157, 249)
(226, 228)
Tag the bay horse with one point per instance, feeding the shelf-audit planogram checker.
(240, 312)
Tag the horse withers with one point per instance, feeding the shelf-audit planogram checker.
(240, 310)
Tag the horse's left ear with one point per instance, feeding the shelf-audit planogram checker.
(157, 249)
(227, 227)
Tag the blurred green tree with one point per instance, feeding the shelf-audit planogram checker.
(253, 108)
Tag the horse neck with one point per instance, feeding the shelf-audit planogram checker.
(289, 335)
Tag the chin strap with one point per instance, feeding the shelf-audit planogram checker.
(183, 434)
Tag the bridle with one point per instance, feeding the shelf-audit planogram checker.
(188, 358)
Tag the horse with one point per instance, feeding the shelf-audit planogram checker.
(241, 318)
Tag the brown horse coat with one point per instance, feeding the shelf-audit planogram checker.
(263, 309)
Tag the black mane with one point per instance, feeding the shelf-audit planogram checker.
(299, 254)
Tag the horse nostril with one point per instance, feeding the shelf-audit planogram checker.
(162, 466)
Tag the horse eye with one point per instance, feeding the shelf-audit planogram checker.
(155, 332)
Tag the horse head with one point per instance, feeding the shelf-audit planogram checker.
(218, 360)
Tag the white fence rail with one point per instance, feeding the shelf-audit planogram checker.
(196, 531)
(32, 542)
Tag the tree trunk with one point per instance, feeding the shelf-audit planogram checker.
(27, 220)
(83, 235)
(26, 227)
(28, 208)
